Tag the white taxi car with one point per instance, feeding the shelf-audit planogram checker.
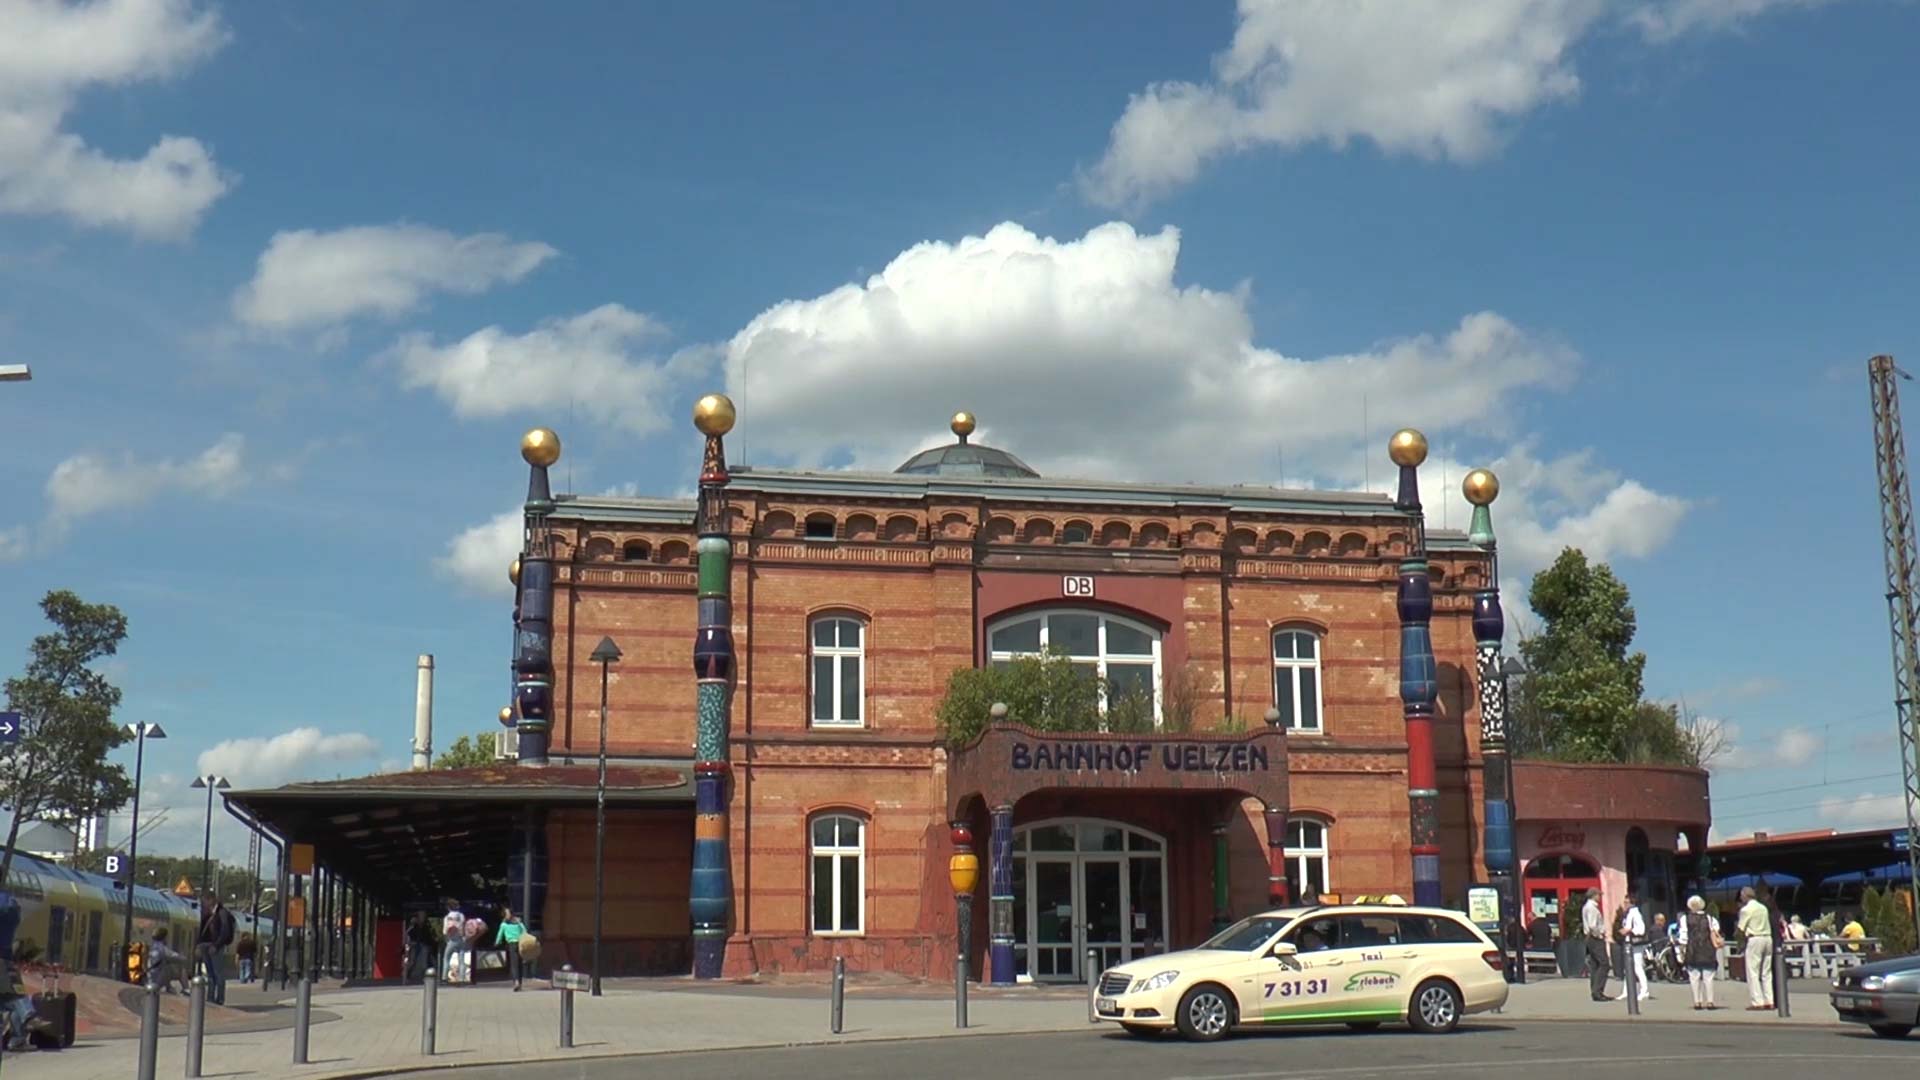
(1361, 965)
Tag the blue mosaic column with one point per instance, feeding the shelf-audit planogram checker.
(1000, 855)
(533, 604)
(1489, 630)
(1419, 686)
(711, 896)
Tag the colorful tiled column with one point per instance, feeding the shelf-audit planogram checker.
(712, 888)
(1277, 892)
(1489, 629)
(963, 872)
(1000, 874)
(533, 606)
(1418, 685)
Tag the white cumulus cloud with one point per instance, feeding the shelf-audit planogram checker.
(1435, 78)
(477, 558)
(307, 279)
(1790, 748)
(89, 484)
(50, 53)
(303, 753)
(594, 360)
(1864, 811)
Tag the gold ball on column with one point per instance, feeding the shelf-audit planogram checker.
(506, 714)
(513, 572)
(1407, 447)
(1480, 487)
(713, 414)
(962, 423)
(540, 447)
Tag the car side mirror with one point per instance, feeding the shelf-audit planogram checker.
(1283, 949)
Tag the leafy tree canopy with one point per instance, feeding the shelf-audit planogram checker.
(59, 768)
(466, 752)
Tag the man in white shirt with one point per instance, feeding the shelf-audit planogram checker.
(1756, 926)
(1593, 924)
(1634, 929)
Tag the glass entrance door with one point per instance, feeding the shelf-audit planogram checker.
(1054, 890)
(1103, 903)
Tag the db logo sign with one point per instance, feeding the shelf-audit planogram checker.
(1080, 585)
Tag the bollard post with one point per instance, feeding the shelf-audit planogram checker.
(566, 1011)
(960, 992)
(1780, 1006)
(1093, 985)
(302, 1015)
(429, 1004)
(196, 1024)
(1633, 989)
(149, 1032)
(839, 993)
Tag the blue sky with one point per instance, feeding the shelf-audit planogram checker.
(293, 279)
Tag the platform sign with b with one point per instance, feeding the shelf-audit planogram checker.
(118, 867)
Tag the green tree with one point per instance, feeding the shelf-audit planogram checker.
(466, 752)
(59, 767)
(1887, 914)
(1583, 681)
(1045, 693)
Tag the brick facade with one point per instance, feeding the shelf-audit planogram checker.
(926, 566)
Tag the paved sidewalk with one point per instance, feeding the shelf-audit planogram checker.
(379, 1028)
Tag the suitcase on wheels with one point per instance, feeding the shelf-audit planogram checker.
(61, 1012)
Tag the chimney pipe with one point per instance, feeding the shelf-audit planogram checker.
(423, 716)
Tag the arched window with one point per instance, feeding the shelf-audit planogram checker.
(1296, 678)
(838, 880)
(636, 551)
(1306, 854)
(839, 671)
(1123, 652)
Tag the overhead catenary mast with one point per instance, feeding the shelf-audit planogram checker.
(1897, 538)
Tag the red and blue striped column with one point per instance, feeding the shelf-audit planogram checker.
(1418, 685)
(711, 897)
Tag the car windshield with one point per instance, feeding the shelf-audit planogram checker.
(1247, 934)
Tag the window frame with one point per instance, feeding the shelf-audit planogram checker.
(836, 853)
(1298, 857)
(1100, 658)
(1290, 668)
(838, 654)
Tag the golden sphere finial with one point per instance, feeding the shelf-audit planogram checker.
(962, 424)
(513, 572)
(506, 714)
(1407, 447)
(540, 447)
(1480, 487)
(713, 414)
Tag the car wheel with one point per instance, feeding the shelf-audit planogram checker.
(1140, 1031)
(1891, 1031)
(1206, 1013)
(1364, 1025)
(1435, 1009)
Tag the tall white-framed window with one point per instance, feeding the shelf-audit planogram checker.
(838, 880)
(839, 671)
(1124, 652)
(1306, 854)
(1296, 678)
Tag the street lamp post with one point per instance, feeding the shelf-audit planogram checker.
(603, 654)
(212, 784)
(141, 733)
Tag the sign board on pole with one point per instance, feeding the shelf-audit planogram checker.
(299, 858)
(572, 980)
(118, 867)
(1902, 839)
(9, 727)
(1483, 906)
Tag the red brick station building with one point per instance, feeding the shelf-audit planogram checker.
(1262, 620)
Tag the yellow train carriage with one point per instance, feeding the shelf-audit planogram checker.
(75, 918)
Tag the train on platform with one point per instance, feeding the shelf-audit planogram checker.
(74, 919)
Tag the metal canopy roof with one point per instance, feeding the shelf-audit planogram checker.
(419, 836)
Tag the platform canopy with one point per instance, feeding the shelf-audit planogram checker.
(408, 837)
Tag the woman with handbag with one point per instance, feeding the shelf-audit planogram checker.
(512, 933)
(1700, 944)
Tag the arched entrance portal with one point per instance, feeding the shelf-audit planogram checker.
(1086, 883)
(1557, 886)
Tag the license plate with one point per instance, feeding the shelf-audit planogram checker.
(1105, 1005)
(1854, 1002)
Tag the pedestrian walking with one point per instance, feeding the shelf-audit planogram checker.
(511, 931)
(1700, 943)
(1633, 932)
(1593, 923)
(1756, 929)
(216, 934)
(244, 951)
(419, 948)
(453, 931)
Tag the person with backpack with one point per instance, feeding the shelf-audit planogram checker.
(453, 932)
(216, 934)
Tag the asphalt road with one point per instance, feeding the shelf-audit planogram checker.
(1482, 1051)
